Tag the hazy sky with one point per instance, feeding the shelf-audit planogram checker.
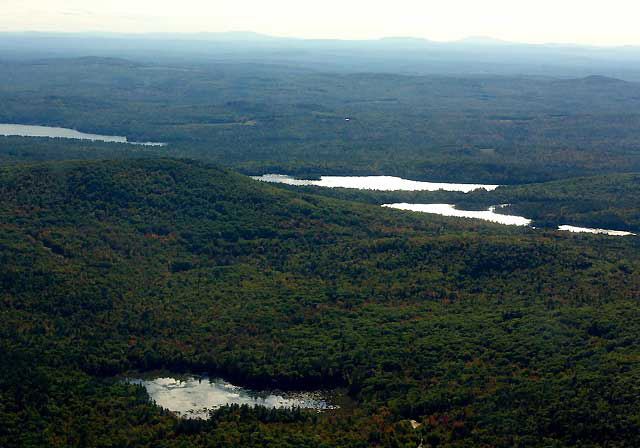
(600, 22)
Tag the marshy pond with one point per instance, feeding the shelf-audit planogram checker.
(193, 396)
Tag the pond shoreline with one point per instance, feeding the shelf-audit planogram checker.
(193, 396)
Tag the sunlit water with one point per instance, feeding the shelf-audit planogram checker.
(450, 210)
(53, 132)
(599, 231)
(390, 183)
(380, 183)
(193, 396)
(491, 215)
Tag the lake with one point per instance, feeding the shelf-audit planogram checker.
(598, 231)
(380, 183)
(491, 215)
(390, 183)
(53, 132)
(450, 210)
(193, 396)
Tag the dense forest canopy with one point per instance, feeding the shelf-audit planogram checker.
(268, 118)
(498, 333)
(118, 259)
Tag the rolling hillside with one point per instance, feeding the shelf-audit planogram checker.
(486, 335)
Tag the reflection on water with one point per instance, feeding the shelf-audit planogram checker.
(47, 131)
(450, 210)
(389, 183)
(193, 396)
(491, 215)
(599, 231)
(380, 183)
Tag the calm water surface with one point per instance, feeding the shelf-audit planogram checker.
(380, 183)
(491, 215)
(47, 131)
(194, 396)
(450, 210)
(390, 183)
(599, 231)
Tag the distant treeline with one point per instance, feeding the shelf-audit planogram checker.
(272, 118)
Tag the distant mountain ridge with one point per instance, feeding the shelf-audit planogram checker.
(478, 55)
(248, 36)
(486, 40)
(595, 80)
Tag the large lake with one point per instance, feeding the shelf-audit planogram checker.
(193, 396)
(380, 183)
(22, 130)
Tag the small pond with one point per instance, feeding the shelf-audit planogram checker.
(193, 396)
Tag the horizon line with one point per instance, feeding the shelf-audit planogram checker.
(480, 39)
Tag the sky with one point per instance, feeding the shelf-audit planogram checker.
(595, 22)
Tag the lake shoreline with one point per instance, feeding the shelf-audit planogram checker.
(377, 183)
(490, 215)
(37, 131)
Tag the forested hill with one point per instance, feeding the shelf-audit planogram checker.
(487, 335)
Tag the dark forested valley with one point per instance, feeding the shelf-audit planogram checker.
(119, 259)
